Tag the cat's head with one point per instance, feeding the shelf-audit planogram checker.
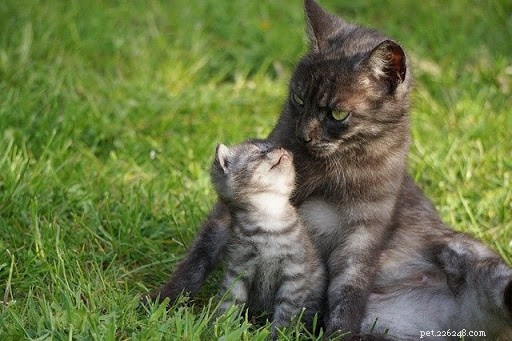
(351, 88)
(252, 168)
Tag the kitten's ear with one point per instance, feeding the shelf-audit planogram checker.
(320, 25)
(222, 155)
(388, 62)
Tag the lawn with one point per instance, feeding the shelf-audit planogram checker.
(110, 112)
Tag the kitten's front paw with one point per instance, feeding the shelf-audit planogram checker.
(145, 299)
(159, 297)
(149, 297)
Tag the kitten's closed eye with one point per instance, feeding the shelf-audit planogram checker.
(264, 150)
(262, 154)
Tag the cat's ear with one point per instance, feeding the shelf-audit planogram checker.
(222, 155)
(508, 296)
(320, 25)
(387, 62)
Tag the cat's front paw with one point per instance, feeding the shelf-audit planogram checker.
(335, 329)
(367, 337)
(340, 325)
(337, 334)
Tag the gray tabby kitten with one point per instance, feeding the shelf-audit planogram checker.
(388, 254)
(272, 264)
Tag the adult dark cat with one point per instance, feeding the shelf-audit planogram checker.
(273, 266)
(346, 123)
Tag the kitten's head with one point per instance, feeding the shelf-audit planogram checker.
(351, 88)
(252, 168)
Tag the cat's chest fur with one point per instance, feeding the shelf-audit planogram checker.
(324, 223)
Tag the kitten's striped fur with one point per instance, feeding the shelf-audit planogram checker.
(273, 266)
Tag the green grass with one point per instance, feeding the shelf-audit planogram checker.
(110, 112)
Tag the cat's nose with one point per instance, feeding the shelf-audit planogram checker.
(308, 130)
(304, 138)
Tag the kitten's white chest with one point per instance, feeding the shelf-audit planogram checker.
(270, 211)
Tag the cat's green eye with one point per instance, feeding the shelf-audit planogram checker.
(296, 98)
(339, 115)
